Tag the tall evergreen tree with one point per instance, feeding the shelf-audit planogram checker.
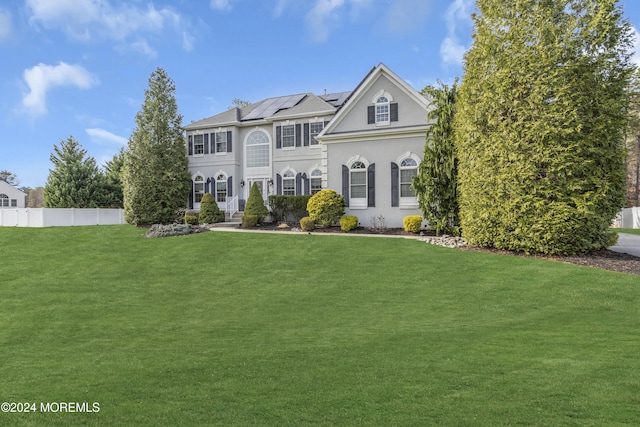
(113, 180)
(633, 141)
(436, 184)
(540, 122)
(156, 181)
(75, 180)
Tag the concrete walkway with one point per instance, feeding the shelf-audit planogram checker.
(627, 244)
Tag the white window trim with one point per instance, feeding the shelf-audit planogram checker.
(195, 183)
(359, 203)
(375, 103)
(194, 145)
(225, 180)
(317, 144)
(215, 142)
(407, 202)
(292, 147)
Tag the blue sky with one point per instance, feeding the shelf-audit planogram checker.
(80, 67)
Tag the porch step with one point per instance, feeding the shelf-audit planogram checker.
(236, 217)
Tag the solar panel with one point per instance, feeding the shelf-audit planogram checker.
(272, 105)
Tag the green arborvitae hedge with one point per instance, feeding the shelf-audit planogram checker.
(255, 204)
(539, 126)
(209, 213)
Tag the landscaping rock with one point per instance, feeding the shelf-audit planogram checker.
(446, 241)
(160, 230)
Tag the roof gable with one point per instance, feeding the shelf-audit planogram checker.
(364, 91)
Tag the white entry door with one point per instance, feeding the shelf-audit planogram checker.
(263, 186)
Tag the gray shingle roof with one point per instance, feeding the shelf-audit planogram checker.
(277, 107)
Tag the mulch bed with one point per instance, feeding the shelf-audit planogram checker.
(603, 259)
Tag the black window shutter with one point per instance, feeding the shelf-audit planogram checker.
(298, 135)
(371, 185)
(229, 144)
(190, 205)
(190, 146)
(371, 114)
(345, 184)
(213, 188)
(393, 110)
(306, 134)
(395, 185)
(278, 136)
(206, 144)
(206, 187)
(307, 184)
(279, 184)
(298, 184)
(229, 185)
(213, 143)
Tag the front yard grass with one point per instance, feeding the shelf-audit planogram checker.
(262, 329)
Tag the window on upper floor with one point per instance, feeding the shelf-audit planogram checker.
(221, 142)
(198, 144)
(257, 149)
(288, 136)
(382, 110)
(314, 130)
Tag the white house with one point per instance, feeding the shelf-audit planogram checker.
(366, 144)
(11, 197)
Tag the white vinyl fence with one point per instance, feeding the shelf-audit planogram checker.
(48, 217)
(629, 218)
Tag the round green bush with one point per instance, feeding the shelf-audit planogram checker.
(326, 207)
(412, 223)
(255, 204)
(348, 223)
(210, 213)
(191, 219)
(307, 224)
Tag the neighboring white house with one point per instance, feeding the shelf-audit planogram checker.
(366, 144)
(11, 197)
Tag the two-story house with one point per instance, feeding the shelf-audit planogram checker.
(11, 197)
(365, 144)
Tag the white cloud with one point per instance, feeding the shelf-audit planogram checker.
(223, 5)
(187, 41)
(43, 77)
(6, 27)
(321, 17)
(279, 9)
(143, 47)
(87, 20)
(103, 136)
(451, 50)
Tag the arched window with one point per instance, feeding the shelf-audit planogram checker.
(408, 169)
(221, 188)
(358, 180)
(4, 201)
(382, 109)
(257, 149)
(288, 183)
(316, 181)
(198, 188)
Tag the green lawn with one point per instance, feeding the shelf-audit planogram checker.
(261, 329)
(627, 230)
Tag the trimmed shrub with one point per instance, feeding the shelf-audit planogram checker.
(191, 219)
(255, 204)
(412, 223)
(307, 224)
(326, 207)
(288, 208)
(249, 221)
(210, 213)
(348, 223)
